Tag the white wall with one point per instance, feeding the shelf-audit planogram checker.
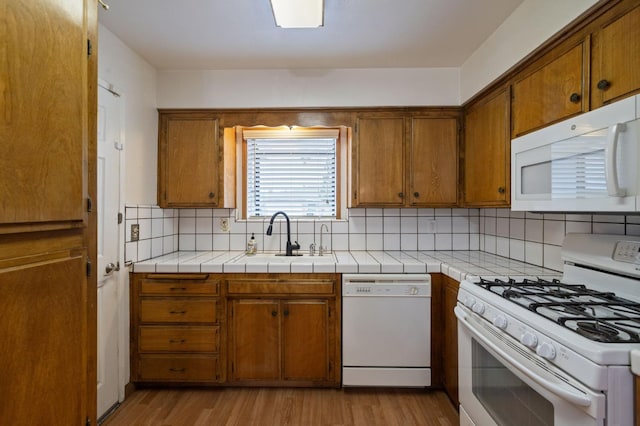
(530, 25)
(135, 79)
(308, 88)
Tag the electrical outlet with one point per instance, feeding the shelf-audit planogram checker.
(224, 224)
(135, 232)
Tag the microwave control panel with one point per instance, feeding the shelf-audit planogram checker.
(627, 251)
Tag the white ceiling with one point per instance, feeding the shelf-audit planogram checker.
(241, 34)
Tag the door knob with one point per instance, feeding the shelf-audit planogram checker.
(109, 268)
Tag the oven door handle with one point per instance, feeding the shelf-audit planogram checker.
(576, 398)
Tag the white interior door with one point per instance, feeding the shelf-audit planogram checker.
(108, 231)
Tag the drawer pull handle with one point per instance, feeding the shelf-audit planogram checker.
(177, 312)
(177, 370)
(274, 313)
(178, 288)
(177, 341)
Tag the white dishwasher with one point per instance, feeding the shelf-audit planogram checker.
(386, 330)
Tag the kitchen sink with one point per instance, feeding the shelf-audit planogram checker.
(276, 258)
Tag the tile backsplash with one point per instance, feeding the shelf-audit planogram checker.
(530, 237)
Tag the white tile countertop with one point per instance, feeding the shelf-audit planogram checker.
(455, 264)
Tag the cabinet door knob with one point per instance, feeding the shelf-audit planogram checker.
(401, 194)
(575, 98)
(416, 194)
(286, 313)
(501, 190)
(604, 84)
(211, 195)
(274, 313)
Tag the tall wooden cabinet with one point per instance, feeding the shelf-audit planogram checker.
(47, 218)
(196, 166)
(487, 172)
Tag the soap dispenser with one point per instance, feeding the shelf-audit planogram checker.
(252, 246)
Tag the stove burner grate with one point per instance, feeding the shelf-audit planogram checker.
(597, 331)
(599, 316)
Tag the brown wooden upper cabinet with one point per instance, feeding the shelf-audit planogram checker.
(405, 162)
(195, 167)
(433, 162)
(487, 151)
(378, 162)
(615, 60)
(552, 91)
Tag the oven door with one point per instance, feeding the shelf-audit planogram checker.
(501, 384)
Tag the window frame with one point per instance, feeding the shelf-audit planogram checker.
(342, 134)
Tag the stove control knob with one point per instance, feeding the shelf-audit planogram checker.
(546, 350)
(530, 340)
(478, 308)
(469, 302)
(501, 322)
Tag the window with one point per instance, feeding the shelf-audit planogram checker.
(294, 170)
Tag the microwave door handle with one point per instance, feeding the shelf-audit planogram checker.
(611, 154)
(576, 398)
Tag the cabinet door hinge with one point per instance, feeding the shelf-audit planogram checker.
(120, 218)
(88, 267)
(87, 422)
(89, 205)
(89, 47)
(355, 195)
(329, 311)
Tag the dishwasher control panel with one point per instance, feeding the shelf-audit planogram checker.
(383, 285)
(386, 290)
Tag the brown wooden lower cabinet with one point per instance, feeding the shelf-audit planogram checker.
(236, 329)
(450, 338)
(278, 338)
(177, 328)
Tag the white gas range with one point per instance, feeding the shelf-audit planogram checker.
(539, 352)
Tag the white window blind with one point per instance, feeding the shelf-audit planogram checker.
(297, 175)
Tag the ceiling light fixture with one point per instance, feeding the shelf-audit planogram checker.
(298, 13)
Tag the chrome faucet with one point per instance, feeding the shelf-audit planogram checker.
(290, 247)
(322, 248)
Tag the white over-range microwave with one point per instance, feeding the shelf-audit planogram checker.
(587, 163)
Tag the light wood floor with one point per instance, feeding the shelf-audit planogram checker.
(278, 406)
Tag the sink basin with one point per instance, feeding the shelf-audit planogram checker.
(274, 258)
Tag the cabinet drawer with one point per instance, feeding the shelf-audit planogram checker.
(179, 339)
(178, 310)
(281, 287)
(176, 287)
(178, 368)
